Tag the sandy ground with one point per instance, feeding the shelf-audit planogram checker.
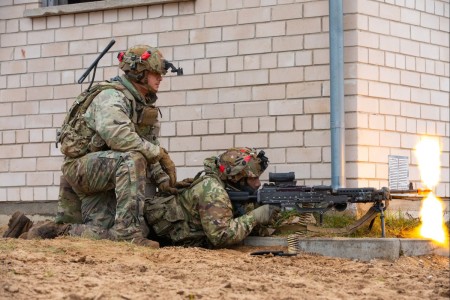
(74, 268)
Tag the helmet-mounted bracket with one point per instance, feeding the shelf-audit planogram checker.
(173, 69)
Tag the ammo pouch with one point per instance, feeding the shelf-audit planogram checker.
(148, 116)
(166, 217)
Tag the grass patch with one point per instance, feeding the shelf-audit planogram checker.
(397, 224)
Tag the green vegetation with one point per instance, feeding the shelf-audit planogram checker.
(397, 224)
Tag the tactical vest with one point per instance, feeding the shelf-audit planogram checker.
(77, 139)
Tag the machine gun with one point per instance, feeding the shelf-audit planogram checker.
(283, 192)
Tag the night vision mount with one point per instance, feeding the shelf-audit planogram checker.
(173, 69)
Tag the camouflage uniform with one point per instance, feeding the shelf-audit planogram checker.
(110, 180)
(202, 215)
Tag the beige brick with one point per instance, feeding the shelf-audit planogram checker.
(410, 47)
(235, 94)
(268, 92)
(196, 158)
(356, 153)
(218, 111)
(376, 122)
(430, 82)
(376, 57)
(217, 142)
(389, 107)
(409, 141)
(429, 112)
(201, 96)
(216, 126)
(221, 49)
(13, 67)
(238, 32)
(317, 138)
(400, 92)
(172, 38)
(420, 34)
(7, 123)
(106, 30)
(270, 29)
(184, 128)
(363, 137)
(314, 41)
(303, 155)
(321, 170)
(410, 78)
(186, 82)
(184, 144)
(250, 109)
(254, 15)
(189, 52)
(233, 126)
(12, 95)
(410, 110)
(318, 105)
(12, 179)
(368, 39)
(289, 11)
(22, 164)
(377, 89)
(303, 58)
(206, 35)
(67, 91)
(282, 75)
(321, 122)
(315, 9)
(5, 109)
(369, 72)
(222, 18)
(39, 93)
(304, 89)
(35, 135)
(185, 113)
(250, 125)
(390, 12)
(13, 39)
(252, 77)
(378, 25)
(286, 107)
(420, 95)
(409, 16)
(38, 121)
(401, 124)
(254, 46)
(303, 122)
(257, 140)
(39, 178)
(302, 171)
(218, 65)
(429, 21)
(389, 75)
(285, 123)
(286, 59)
(188, 22)
(218, 80)
(389, 43)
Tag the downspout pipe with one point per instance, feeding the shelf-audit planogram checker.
(337, 109)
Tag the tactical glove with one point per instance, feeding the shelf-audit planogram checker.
(166, 188)
(168, 166)
(185, 183)
(264, 214)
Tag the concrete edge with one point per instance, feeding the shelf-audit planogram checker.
(363, 249)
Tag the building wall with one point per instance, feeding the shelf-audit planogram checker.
(256, 74)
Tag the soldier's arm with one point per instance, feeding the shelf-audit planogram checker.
(216, 214)
(109, 115)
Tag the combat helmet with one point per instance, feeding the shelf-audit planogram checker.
(238, 163)
(139, 59)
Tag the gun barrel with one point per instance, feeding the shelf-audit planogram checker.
(94, 64)
(416, 191)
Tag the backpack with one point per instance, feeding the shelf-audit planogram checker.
(74, 134)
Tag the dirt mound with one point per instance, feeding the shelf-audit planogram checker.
(74, 268)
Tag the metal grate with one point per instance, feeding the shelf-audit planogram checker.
(398, 172)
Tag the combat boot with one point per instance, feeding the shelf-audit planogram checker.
(46, 230)
(18, 224)
(145, 242)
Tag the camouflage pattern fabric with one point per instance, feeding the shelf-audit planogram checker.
(208, 214)
(95, 176)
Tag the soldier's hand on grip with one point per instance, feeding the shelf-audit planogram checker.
(185, 183)
(264, 214)
(166, 188)
(168, 166)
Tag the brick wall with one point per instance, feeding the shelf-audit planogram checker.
(256, 74)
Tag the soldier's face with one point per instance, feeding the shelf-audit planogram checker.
(153, 80)
(254, 182)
